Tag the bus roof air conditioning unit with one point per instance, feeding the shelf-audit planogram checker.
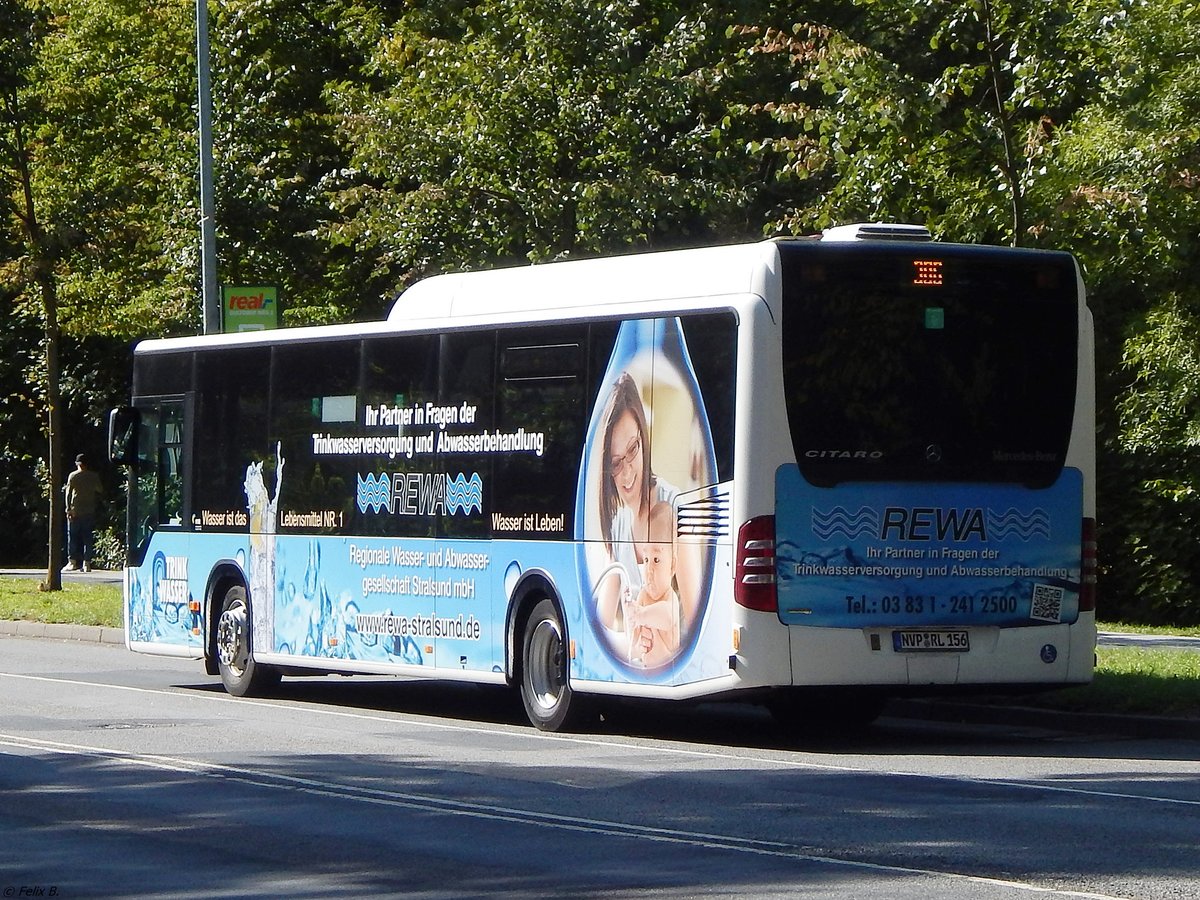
(876, 231)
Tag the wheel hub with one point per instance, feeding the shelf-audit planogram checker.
(233, 648)
(546, 656)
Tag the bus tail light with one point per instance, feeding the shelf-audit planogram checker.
(754, 584)
(1087, 580)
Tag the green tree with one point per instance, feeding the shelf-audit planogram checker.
(525, 130)
(1069, 125)
(937, 111)
(116, 162)
(90, 93)
(21, 441)
(24, 118)
(1129, 203)
(276, 150)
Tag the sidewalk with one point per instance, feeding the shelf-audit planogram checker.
(98, 576)
(1147, 641)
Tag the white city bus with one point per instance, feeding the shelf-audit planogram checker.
(815, 470)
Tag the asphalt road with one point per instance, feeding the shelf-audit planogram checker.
(127, 775)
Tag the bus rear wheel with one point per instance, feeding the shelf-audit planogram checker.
(240, 674)
(546, 692)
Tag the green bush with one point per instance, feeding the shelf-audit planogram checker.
(109, 550)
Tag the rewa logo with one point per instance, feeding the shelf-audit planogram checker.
(419, 493)
(931, 523)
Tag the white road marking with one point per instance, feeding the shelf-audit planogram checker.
(511, 815)
(722, 756)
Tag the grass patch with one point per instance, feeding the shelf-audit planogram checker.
(1133, 680)
(78, 603)
(1127, 675)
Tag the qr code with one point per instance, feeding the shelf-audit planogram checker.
(1047, 603)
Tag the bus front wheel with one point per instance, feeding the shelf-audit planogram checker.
(550, 703)
(240, 674)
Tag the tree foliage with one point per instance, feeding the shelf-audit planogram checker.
(1130, 167)
(112, 152)
(938, 111)
(525, 130)
(275, 151)
(85, 165)
(361, 144)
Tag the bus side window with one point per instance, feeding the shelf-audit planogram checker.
(466, 396)
(170, 462)
(540, 393)
(158, 496)
(400, 377)
(144, 507)
(315, 392)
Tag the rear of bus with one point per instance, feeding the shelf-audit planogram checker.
(934, 516)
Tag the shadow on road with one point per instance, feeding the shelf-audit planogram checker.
(724, 724)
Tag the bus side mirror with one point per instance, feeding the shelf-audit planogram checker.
(122, 435)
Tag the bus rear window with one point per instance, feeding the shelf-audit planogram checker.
(929, 362)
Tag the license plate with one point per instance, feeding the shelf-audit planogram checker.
(916, 641)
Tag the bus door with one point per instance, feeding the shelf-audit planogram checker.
(159, 596)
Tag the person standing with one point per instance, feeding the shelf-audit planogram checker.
(83, 495)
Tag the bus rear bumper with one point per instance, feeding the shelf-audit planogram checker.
(1040, 655)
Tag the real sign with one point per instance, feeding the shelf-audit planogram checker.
(249, 308)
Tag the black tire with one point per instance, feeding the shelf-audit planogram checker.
(546, 692)
(240, 674)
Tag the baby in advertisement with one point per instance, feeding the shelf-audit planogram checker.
(652, 618)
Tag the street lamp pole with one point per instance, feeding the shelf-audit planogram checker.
(208, 237)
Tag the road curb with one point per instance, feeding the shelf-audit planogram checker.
(97, 634)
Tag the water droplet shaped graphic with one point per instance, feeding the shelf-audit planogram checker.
(650, 405)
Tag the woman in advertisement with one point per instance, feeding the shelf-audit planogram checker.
(636, 597)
